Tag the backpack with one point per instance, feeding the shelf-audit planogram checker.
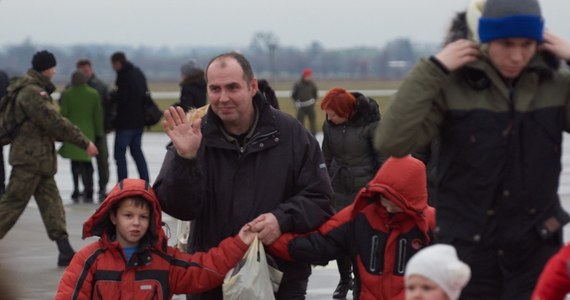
(8, 123)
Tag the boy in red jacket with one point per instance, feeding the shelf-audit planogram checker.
(132, 260)
(388, 222)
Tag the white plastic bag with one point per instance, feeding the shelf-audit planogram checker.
(182, 233)
(252, 278)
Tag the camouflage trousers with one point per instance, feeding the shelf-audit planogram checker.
(20, 189)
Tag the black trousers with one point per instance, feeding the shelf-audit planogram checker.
(83, 169)
(504, 272)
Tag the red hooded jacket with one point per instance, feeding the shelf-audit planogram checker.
(155, 271)
(380, 244)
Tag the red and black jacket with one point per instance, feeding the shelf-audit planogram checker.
(155, 271)
(379, 244)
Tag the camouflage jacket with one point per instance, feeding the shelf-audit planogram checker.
(33, 146)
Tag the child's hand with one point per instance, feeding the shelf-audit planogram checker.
(246, 234)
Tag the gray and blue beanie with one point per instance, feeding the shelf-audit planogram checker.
(511, 19)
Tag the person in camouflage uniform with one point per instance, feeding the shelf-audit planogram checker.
(33, 157)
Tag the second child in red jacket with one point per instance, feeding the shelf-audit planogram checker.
(388, 222)
(131, 260)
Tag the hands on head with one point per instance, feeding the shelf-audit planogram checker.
(266, 227)
(555, 44)
(186, 137)
(458, 53)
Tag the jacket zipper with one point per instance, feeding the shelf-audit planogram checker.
(255, 138)
(373, 257)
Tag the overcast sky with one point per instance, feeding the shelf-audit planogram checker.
(334, 23)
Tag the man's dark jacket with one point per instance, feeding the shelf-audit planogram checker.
(129, 97)
(280, 169)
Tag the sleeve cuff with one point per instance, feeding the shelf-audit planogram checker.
(439, 64)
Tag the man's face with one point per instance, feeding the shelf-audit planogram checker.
(49, 73)
(86, 69)
(230, 95)
(131, 223)
(510, 56)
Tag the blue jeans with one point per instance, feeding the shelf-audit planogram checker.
(131, 138)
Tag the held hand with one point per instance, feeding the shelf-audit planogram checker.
(246, 234)
(92, 150)
(186, 137)
(458, 53)
(267, 227)
(557, 45)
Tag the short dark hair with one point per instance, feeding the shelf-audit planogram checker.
(137, 201)
(242, 61)
(82, 62)
(119, 57)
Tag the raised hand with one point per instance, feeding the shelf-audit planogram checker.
(458, 53)
(556, 44)
(186, 137)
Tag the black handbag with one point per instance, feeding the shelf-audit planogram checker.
(152, 113)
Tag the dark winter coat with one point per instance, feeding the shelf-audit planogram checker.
(349, 152)
(155, 271)
(33, 147)
(379, 244)
(500, 147)
(304, 90)
(130, 94)
(279, 170)
(109, 110)
(193, 93)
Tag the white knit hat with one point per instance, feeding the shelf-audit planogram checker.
(439, 263)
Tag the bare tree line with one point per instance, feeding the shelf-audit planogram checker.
(269, 59)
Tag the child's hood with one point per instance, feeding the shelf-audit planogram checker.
(402, 181)
(99, 222)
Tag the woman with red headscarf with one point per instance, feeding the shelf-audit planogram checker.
(351, 121)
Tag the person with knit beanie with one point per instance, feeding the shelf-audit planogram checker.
(386, 225)
(32, 153)
(498, 102)
(438, 267)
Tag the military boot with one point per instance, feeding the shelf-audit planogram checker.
(65, 252)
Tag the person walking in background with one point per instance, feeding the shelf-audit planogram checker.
(436, 273)
(129, 96)
(82, 106)
(102, 158)
(348, 134)
(499, 105)
(4, 80)
(33, 157)
(221, 170)
(133, 249)
(193, 84)
(388, 222)
(305, 94)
